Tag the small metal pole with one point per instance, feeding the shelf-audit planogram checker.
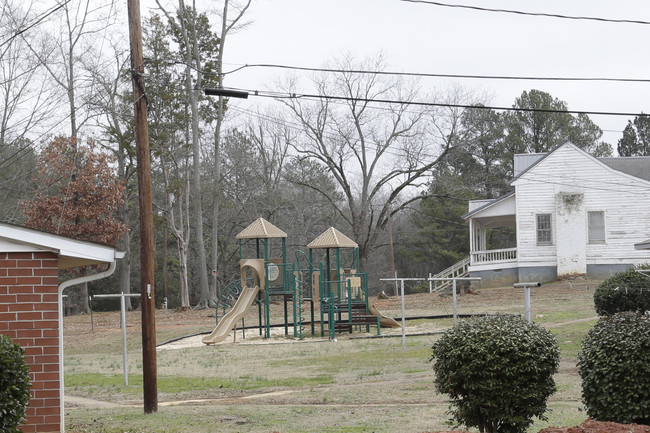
(123, 324)
(122, 296)
(526, 287)
(403, 320)
(527, 303)
(455, 309)
(92, 320)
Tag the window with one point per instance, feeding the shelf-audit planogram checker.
(596, 227)
(544, 235)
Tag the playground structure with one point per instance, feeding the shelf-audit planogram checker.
(335, 285)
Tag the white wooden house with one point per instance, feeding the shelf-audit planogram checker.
(572, 214)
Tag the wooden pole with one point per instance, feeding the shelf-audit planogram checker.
(147, 299)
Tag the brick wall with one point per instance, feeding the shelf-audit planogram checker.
(29, 316)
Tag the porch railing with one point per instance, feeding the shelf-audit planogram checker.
(494, 256)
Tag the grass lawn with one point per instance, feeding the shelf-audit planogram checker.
(314, 385)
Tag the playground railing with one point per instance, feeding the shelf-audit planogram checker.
(348, 306)
(229, 296)
(280, 277)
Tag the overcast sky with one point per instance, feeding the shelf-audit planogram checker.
(416, 37)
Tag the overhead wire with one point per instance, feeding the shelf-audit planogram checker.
(433, 75)
(566, 182)
(279, 95)
(524, 13)
(36, 22)
(300, 128)
(291, 95)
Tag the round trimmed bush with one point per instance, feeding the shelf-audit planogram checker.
(14, 385)
(614, 365)
(626, 291)
(498, 372)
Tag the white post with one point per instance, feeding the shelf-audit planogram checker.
(526, 287)
(123, 325)
(403, 320)
(453, 296)
(124, 355)
(430, 284)
(527, 303)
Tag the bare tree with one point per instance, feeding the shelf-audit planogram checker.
(226, 27)
(113, 114)
(177, 213)
(379, 154)
(24, 101)
(195, 43)
(25, 106)
(270, 142)
(63, 50)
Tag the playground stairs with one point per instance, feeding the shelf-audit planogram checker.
(354, 314)
(457, 270)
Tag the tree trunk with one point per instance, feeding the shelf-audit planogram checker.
(124, 269)
(192, 57)
(84, 301)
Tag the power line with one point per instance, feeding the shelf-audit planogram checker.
(35, 23)
(286, 95)
(300, 128)
(535, 14)
(433, 75)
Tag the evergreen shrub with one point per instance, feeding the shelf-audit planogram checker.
(614, 364)
(626, 291)
(14, 385)
(498, 372)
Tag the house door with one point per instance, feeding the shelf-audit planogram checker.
(570, 234)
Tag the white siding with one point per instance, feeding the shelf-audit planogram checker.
(624, 199)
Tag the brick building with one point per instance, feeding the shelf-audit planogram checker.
(31, 311)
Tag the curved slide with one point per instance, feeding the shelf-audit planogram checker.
(385, 321)
(228, 321)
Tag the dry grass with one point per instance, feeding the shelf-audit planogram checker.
(285, 385)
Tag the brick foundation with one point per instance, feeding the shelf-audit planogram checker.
(29, 316)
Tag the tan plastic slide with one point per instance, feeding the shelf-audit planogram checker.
(227, 323)
(385, 321)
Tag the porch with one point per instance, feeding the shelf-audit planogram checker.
(493, 238)
(503, 255)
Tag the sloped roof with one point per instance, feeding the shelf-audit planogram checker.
(332, 238)
(539, 157)
(261, 229)
(72, 253)
(637, 166)
(487, 205)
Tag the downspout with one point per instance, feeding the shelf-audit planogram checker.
(62, 287)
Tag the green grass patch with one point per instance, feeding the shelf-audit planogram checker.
(175, 384)
(570, 337)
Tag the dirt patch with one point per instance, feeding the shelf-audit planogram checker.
(591, 426)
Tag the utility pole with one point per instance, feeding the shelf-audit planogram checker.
(147, 298)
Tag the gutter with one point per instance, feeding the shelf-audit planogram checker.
(62, 287)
